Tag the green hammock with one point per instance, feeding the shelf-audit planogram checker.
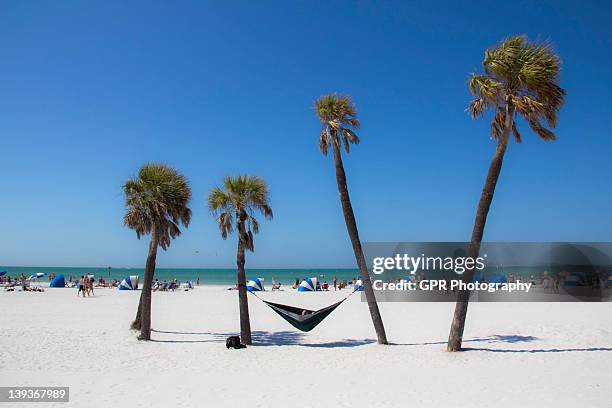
(302, 319)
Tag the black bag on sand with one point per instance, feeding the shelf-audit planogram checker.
(234, 342)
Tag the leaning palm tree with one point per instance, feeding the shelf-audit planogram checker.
(234, 206)
(338, 117)
(520, 77)
(157, 202)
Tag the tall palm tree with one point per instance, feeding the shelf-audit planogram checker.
(520, 77)
(157, 202)
(234, 206)
(338, 117)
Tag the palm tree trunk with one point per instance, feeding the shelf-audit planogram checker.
(455, 336)
(243, 302)
(136, 323)
(145, 295)
(351, 226)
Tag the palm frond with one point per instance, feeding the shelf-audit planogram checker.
(523, 76)
(338, 117)
(235, 203)
(158, 198)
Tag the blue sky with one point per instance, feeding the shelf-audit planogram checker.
(89, 91)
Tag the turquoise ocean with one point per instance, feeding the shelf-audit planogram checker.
(206, 276)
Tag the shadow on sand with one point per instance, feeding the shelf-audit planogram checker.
(293, 338)
(496, 338)
(555, 350)
(260, 338)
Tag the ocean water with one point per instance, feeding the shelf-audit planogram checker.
(206, 276)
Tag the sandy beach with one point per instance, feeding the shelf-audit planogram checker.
(523, 354)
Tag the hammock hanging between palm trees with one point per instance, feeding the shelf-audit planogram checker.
(302, 319)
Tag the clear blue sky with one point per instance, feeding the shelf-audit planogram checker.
(90, 91)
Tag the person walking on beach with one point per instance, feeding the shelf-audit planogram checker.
(335, 283)
(90, 285)
(81, 285)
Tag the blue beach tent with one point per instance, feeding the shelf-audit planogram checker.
(129, 283)
(255, 285)
(58, 282)
(497, 279)
(478, 277)
(575, 279)
(308, 285)
(358, 286)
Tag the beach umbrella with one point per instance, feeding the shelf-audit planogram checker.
(308, 285)
(2, 273)
(255, 285)
(36, 275)
(129, 283)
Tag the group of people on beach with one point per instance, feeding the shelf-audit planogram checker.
(172, 285)
(86, 286)
(324, 286)
(10, 284)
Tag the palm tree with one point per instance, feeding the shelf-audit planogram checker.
(234, 206)
(520, 77)
(338, 117)
(157, 202)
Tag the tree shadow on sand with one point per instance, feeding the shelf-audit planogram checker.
(260, 338)
(553, 350)
(177, 337)
(509, 339)
(342, 343)
(293, 338)
(496, 338)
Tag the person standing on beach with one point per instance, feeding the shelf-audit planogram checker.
(90, 283)
(81, 285)
(335, 283)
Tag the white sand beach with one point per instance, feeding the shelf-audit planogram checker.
(523, 354)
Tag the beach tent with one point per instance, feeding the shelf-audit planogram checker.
(255, 285)
(358, 286)
(497, 279)
(308, 285)
(58, 282)
(575, 279)
(129, 283)
(478, 277)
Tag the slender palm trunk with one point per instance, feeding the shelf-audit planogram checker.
(351, 226)
(136, 323)
(243, 302)
(145, 295)
(455, 336)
